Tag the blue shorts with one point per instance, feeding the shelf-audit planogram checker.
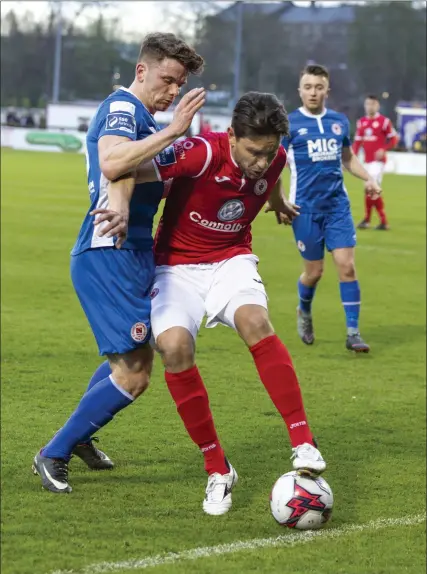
(313, 231)
(113, 286)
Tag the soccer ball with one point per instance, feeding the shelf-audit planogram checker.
(299, 501)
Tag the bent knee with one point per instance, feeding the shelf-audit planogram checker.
(176, 347)
(253, 324)
(135, 383)
(347, 271)
(132, 370)
(314, 273)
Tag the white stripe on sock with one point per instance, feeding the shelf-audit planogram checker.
(121, 389)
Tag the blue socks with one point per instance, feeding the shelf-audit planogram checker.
(306, 295)
(97, 407)
(350, 297)
(102, 372)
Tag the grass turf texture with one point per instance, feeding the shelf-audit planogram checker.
(368, 412)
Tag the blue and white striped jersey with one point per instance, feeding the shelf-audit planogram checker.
(121, 114)
(314, 155)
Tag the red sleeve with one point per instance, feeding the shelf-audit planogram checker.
(186, 158)
(358, 138)
(391, 134)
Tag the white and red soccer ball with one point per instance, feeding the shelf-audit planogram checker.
(299, 501)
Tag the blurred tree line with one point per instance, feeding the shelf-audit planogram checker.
(382, 49)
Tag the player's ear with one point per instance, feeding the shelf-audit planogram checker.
(141, 70)
(231, 136)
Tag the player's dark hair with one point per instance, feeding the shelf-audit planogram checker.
(159, 46)
(372, 97)
(259, 114)
(315, 70)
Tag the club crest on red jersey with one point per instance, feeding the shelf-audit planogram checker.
(260, 187)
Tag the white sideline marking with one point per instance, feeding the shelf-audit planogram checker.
(284, 541)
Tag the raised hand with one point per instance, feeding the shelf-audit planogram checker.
(187, 108)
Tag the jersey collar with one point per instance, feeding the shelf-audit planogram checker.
(310, 115)
(142, 104)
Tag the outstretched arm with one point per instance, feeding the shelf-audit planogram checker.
(284, 210)
(352, 164)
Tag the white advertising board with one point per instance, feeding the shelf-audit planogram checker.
(75, 142)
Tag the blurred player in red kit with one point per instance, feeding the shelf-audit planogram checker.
(375, 134)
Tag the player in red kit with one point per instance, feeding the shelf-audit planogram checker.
(205, 266)
(375, 134)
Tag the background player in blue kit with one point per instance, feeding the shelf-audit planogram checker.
(318, 145)
(112, 275)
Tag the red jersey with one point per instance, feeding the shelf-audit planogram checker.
(374, 134)
(210, 206)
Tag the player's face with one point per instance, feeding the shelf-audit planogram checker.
(371, 107)
(253, 155)
(313, 91)
(160, 82)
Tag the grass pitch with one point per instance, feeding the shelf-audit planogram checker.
(368, 412)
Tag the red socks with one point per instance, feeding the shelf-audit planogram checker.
(191, 399)
(278, 376)
(369, 204)
(277, 373)
(379, 205)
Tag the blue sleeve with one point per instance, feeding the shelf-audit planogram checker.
(346, 140)
(117, 117)
(286, 141)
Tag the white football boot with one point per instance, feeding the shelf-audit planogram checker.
(307, 459)
(218, 492)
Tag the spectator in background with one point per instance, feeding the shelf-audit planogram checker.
(42, 122)
(28, 121)
(12, 119)
(83, 125)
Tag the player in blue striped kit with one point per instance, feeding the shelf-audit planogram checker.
(318, 146)
(112, 275)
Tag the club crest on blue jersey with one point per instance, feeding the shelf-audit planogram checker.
(139, 332)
